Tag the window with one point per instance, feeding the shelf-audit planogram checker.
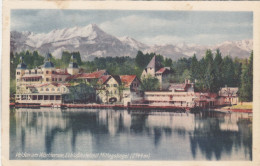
(64, 89)
(55, 79)
(51, 97)
(52, 89)
(107, 85)
(17, 80)
(52, 79)
(29, 71)
(47, 89)
(41, 89)
(47, 72)
(18, 73)
(115, 91)
(60, 79)
(47, 79)
(52, 72)
(115, 85)
(58, 89)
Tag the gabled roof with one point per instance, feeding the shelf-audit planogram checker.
(117, 78)
(154, 63)
(103, 79)
(228, 91)
(73, 77)
(180, 87)
(127, 79)
(96, 74)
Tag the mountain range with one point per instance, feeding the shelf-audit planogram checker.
(91, 42)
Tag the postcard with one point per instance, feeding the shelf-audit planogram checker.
(136, 83)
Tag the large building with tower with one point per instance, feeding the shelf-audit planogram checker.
(43, 85)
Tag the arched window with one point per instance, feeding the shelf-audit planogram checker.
(52, 89)
(47, 72)
(58, 89)
(41, 89)
(47, 89)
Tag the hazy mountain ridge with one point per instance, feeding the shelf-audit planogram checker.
(93, 42)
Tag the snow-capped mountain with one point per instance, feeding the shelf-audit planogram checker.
(133, 43)
(241, 49)
(91, 42)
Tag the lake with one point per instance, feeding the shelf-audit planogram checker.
(92, 134)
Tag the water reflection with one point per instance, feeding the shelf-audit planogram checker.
(164, 135)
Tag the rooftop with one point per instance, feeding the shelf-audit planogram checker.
(127, 79)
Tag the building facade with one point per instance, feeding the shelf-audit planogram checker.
(155, 69)
(43, 85)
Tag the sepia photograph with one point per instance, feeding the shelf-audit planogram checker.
(130, 85)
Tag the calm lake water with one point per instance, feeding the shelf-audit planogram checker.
(89, 134)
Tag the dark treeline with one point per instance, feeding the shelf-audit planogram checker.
(209, 73)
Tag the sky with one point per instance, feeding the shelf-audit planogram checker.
(149, 27)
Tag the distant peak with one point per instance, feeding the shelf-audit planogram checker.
(93, 26)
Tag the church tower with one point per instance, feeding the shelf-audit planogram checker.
(48, 68)
(20, 70)
(73, 66)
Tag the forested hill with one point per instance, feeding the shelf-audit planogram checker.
(210, 72)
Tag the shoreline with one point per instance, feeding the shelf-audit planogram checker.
(134, 107)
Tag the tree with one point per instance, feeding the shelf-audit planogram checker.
(246, 88)
(237, 72)
(150, 83)
(80, 92)
(218, 62)
(194, 69)
(228, 72)
(65, 59)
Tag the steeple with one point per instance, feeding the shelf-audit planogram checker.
(47, 61)
(154, 64)
(73, 62)
(21, 65)
(73, 66)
